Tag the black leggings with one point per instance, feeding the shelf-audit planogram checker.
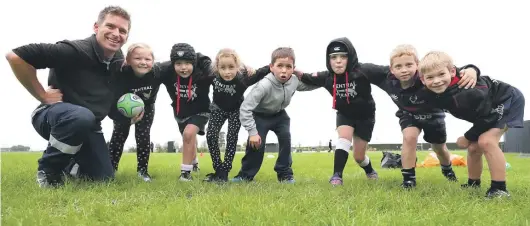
(143, 140)
(217, 119)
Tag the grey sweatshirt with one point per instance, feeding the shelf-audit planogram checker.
(269, 96)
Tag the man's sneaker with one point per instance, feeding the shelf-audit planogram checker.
(287, 180)
(372, 176)
(185, 176)
(47, 180)
(497, 193)
(450, 175)
(335, 180)
(196, 167)
(408, 184)
(144, 176)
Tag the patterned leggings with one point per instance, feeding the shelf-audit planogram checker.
(217, 119)
(143, 140)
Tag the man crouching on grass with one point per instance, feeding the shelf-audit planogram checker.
(69, 115)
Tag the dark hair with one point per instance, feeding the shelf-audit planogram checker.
(282, 52)
(114, 10)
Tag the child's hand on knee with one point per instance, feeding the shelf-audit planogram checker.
(255, 141)
(462, 142)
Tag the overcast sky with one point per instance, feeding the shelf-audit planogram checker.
(491, 35)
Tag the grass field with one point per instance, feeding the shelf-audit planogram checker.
(311, 201)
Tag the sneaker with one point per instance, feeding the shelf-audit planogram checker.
(497, 193)
(145, 176)
(372, 176)
(196, 167)
(211, 177)
(450, 175)
(408, 184)
(185, 176)
(335, 180)
(48, 180)
(222, 176)
(239, 179)
(287, 180)
(470, 185)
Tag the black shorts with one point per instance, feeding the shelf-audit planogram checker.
(433, 129)
(200, 120)
(362, 128)
(511, 112)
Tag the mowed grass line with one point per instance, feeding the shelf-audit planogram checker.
(311, 201)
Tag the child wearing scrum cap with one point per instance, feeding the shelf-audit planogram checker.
(187, 81)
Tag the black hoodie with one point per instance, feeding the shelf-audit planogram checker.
(193, 91)
(351, 91)
(228, 95)
(477, 105)
(412, 100)
(79, 70)
(146, 87)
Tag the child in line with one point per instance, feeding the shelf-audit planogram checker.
(492, 106)
(404, 87)
(186, 77)
(263, 110)
(230, 82)
(141, 78)
(352, 99)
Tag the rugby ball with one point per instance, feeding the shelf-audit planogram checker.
(130, 105)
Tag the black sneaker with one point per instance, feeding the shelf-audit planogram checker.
(470, 185)
(144, 176)
(196, 167)
(222, 175)
(497, 193)
(408, 184)
(450, 175)
(185, 176)
(211, 177)
(49, 180)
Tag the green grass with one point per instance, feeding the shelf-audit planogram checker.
(311, 201)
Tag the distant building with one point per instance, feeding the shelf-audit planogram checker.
(517, 139)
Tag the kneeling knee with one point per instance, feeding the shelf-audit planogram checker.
(83, 119)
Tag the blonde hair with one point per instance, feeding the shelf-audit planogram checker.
(403, 50)
(226, 52)
(435, 60)
(139, 45)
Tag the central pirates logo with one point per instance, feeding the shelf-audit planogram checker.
(414, 100)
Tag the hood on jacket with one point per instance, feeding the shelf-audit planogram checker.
(343, 42)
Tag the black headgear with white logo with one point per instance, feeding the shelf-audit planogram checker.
(337, 48)
(183, 51)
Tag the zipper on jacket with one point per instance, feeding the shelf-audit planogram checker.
(283, 101)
